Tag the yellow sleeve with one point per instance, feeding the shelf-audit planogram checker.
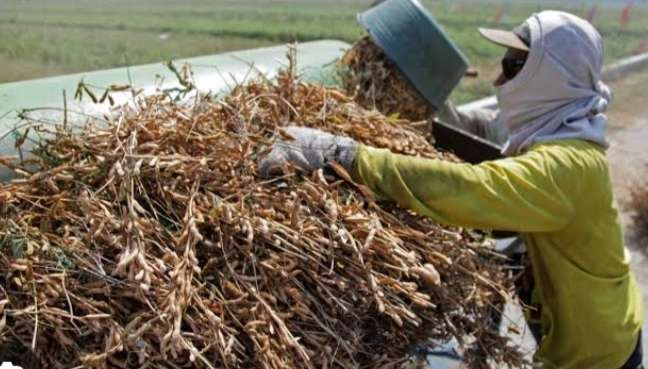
(518, 194)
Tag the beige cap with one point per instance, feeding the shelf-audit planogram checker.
(505, 38)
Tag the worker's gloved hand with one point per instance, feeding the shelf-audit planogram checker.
(311, 149)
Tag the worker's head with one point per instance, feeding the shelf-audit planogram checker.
(517, 43)
(550, 78)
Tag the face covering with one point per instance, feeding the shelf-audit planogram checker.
(558, 94)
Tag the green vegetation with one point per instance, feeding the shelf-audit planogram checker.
(42, 37)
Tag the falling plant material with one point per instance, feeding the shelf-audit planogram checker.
(376, 83)
(152, 242)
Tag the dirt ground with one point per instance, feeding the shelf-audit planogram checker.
(628, 156)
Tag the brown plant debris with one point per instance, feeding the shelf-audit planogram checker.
(376, 83)
(152, 243)
(639, 206)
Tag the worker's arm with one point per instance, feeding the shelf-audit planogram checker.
(515, 194)
(480, 122)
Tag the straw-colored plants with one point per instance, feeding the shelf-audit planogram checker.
(152, 242)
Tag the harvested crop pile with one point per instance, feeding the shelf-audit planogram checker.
(375, 82)
(151, 242)
(639, 207)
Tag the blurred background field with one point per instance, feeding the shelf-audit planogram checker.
(41, 38)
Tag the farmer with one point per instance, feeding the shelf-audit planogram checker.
(553, 188)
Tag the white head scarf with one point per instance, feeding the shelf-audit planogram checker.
(558, 94)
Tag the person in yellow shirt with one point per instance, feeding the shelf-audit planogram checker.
(553, 188)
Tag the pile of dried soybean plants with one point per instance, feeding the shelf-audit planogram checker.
(638, 205)
(376, 83)
(152, 243)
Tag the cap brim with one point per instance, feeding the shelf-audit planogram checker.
(503, 38)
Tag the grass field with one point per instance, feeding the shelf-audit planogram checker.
(44, 37)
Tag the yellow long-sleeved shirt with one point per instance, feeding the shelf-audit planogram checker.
(558, 196)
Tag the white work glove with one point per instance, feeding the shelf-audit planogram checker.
(311, 149)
